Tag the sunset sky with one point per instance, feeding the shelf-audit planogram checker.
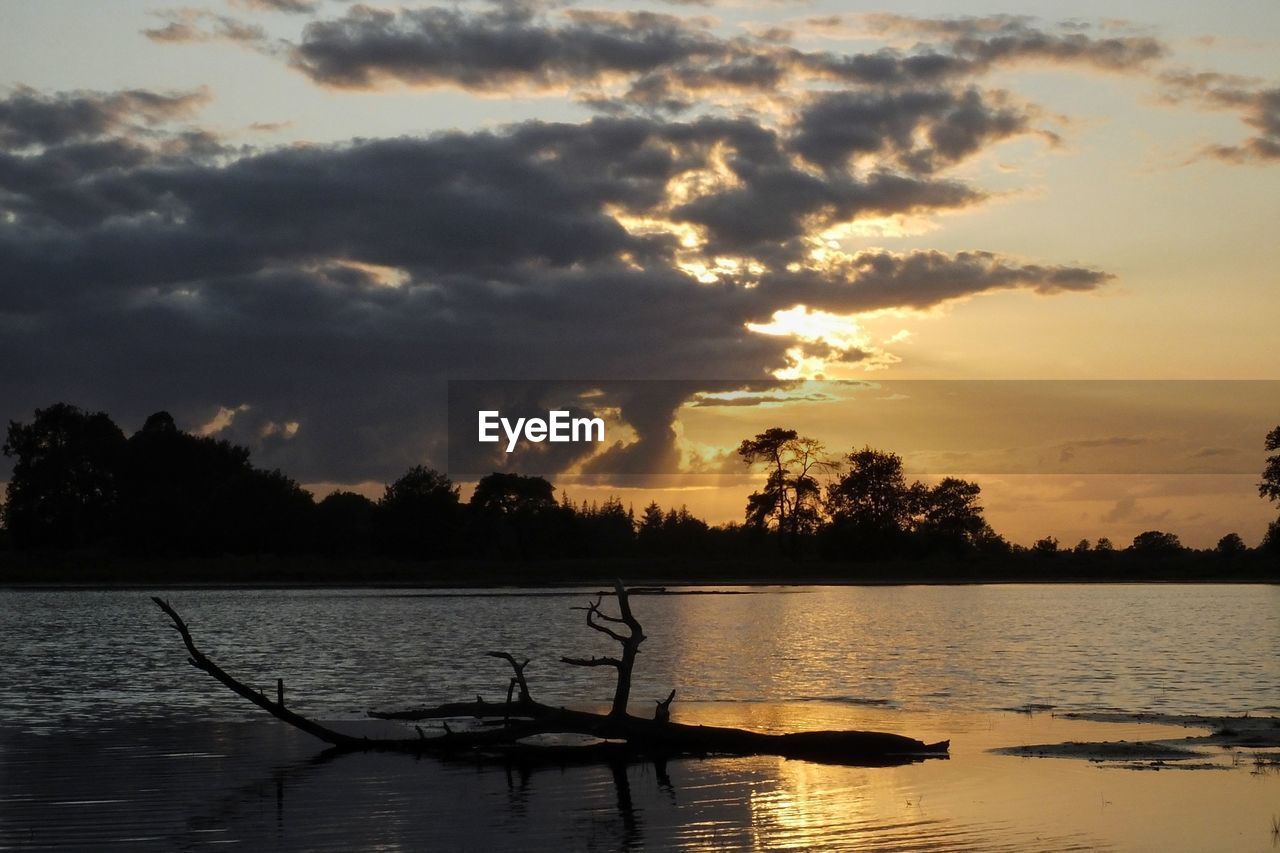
(289, 222)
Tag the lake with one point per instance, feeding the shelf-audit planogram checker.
(108, 738)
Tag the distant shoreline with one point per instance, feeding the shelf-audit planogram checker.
(65, 571)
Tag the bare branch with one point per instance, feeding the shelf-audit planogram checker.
(662, 713)
(630, 643)
(600, 614)
(601, 628)
(519, 672)
(276, 709)
(592, 661)
(624, 607)
(618, 733)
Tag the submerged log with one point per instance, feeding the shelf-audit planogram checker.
(505, 728)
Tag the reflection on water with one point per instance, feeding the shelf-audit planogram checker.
(165, 786)
(90, 656)
(109, 740)
(191, 785)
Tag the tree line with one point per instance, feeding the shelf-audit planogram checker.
(79, 483)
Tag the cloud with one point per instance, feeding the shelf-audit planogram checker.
(777, 205)
(1257, 104)
(663, 61)
(919, 130)
(876, 279)
(333, 289)
(1211, 452)
(703, 401)
(200, 25)
(296, 7)
(1067, 451)
(1003, 39)
(494, 49)
(29, 118)
(551, 194)
(1126, 509)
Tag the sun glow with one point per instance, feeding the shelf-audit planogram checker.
(840, 332)
(377, 273)
(827, 345)
(712, 178)
(879, 227)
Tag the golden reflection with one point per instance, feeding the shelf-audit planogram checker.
(977, 800)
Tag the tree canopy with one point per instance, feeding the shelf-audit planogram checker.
(65, 487)
(79, 483)
(790, 500)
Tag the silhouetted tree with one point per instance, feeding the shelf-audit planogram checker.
(872, 509)
(345, 523)
(1046, 547)
(649, 529)
(264, 512)
(1082, 547)
(185, 494)
(952, 517)
(1271, 540)
(518, 516)
(677, 532)
(989, 543)
(790, 499)
(1103, 546)
(1269, 488)
(65, 486)
(418, 515)
(684, 532)
(1231, 545)
(601, 530)
(1155, 542)
(512, 493)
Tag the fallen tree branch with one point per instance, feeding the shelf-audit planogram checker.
(276, 709)
(619, 735)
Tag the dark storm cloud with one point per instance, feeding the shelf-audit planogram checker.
(953, 125)
(775, 205)
(30, 118)
(665, 58)
(473, 203)
(992, 40)
(981, 43)
(650, 409)
(875, 280)
(454, 203)
(493, 49)
(360, 366)
(337, 287)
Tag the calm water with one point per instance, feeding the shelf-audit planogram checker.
(107, 736)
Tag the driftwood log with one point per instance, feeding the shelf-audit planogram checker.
(504, 728)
